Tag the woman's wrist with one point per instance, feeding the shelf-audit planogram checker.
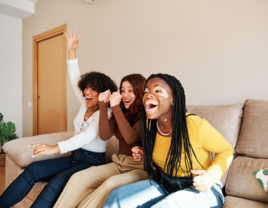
(56, 148)
(71, 54)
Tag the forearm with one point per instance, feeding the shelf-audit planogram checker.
(71, 54)
(105, 130)
(220, 163)
(129, 133)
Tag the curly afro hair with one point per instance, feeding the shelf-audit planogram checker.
(99, 81)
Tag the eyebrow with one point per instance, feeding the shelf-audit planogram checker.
(157, 85)
(127, 87)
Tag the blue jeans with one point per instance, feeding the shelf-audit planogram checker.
(54, 171)
(148, 193)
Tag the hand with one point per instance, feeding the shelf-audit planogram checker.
(72, 41)
(104, 96)
(44, 149)
(137, 153)
(203, 181)
(115, 99)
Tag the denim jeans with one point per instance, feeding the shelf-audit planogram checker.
(148, 193)
(54, 171)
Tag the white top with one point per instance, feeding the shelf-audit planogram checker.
(86, 134)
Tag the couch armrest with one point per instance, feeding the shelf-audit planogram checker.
(21, 154)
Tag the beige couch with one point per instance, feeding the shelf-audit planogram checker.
(244, 126)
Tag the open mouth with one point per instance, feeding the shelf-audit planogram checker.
(150, 106)
(88, 99)
(127, 101)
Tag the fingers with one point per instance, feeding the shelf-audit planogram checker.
(137, 153)
(78, 36)
(73, 33)
(41, 152)
(33, 145)
(104, 96)
(69, 33)
(66, 36)
(137, 157)
(134, 149)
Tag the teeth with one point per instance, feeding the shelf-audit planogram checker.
(150, 103)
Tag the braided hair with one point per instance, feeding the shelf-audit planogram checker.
(179, 139)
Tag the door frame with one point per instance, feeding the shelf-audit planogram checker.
(45, 35)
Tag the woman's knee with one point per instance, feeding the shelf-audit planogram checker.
(76, 178)
(29, 173)
(112, 182)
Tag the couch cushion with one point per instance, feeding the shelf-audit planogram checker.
(236, 202)
(241, 181)
(253, 138)
(225, 118)
(21, 154)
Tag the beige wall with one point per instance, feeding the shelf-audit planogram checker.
(218, 49)
(11, 71)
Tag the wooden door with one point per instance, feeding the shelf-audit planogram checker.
(50, 104)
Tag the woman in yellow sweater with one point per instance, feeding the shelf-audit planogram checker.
(176, 153)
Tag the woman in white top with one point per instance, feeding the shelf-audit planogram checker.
(86, 146)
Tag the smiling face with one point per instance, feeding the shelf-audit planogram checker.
(91, 97)
(127, 94)
(158, 99)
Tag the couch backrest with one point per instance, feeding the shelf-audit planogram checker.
(253, 138)
(252, 150)
(225, 118)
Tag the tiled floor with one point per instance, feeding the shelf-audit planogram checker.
(2, 179)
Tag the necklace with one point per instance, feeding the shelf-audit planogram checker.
(165, 134)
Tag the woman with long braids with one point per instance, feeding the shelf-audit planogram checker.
(94, 184)
(178, 145)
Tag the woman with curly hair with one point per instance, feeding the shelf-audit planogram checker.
(90, 187)
(176, 153)
(86, 146)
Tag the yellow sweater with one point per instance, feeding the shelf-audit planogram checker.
(204, 139)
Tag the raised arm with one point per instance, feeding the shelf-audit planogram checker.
(107, 127)
(129, 133)
(72, 63)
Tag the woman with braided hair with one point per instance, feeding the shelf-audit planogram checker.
(176, 154)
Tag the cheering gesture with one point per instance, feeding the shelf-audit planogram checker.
(72, 43)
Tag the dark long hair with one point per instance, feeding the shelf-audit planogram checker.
(180, 136)
(133, 113)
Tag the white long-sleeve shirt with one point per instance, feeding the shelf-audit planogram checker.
(86, 134)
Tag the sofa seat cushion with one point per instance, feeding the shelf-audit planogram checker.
(253, 138)
(236, 202)
(21, 154)
(241, 181)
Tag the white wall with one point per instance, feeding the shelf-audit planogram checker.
(11, 70)
(217, 49)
